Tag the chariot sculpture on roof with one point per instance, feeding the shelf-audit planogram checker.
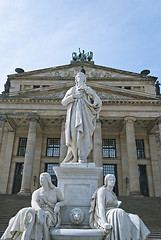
(82, 56)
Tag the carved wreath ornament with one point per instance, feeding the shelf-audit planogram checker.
(76, 216)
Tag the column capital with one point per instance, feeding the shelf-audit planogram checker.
(3, 117)
(34, 118)
(63, 118)
(158, 121)
(129, 119)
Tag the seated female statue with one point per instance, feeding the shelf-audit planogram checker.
(35, 222)
(105, 214)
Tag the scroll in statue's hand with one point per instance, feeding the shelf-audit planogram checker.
(77, 96)
(107, 226)
(56, 209)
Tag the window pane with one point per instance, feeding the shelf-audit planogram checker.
(22, 147)
(140, 148)
(111, 169)
(53, 147)
(49, 169)
(109, 148)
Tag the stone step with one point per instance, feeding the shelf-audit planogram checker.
(148, 209)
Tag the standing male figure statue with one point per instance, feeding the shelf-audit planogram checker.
(83, 107)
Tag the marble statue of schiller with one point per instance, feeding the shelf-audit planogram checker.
(83, 107)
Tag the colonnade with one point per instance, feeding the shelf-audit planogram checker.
(97, 153)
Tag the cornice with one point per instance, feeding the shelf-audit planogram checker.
(110, 79)
(118, 101)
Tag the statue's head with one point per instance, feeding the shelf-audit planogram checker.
(80, 78)
(109, 180)
(46, 177)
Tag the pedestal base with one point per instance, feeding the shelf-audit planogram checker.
(77, 183)
(76, 234)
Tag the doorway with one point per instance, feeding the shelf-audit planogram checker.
(18, 178)
(143, 180)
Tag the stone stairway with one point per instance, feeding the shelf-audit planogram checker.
(148, 209)
(9, 206)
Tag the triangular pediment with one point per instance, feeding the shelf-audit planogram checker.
(58, 91)
(92, 72)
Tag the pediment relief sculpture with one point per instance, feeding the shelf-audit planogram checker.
(68, 71)
(58, 93)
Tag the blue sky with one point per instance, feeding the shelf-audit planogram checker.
(37, 34)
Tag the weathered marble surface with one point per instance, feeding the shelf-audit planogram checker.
(83, 107)
(105, 214)
(77, 183)
(77, 234)
(34, 222)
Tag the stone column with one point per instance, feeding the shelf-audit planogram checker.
(124, 163)
(97, 145)
(63, 147)
(7, 161)
(132, 157)
(2, 123)
(29, 157)
(97, 149)
(155, 165)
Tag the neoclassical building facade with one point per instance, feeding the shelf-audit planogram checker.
(126, 141)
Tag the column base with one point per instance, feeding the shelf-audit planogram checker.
(26, 192)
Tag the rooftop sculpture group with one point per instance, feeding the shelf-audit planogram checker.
(82, 56)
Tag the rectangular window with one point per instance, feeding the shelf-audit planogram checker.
(128, 88)
(140, 148)
(109, 148)
(111, 169)
(53, 147)
(49, 169)
(36, 86)
(22, 146)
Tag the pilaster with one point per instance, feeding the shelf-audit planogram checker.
(7, 161)
(2, 123)
(155, 165)
(159, 125)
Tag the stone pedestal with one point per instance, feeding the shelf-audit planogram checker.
(77, 234)
(77, 183)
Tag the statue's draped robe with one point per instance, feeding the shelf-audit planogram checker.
(24, 224)
(125, 226)
(80, 121)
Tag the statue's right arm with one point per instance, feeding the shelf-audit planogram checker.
(34, 200)
(68, 98)
(101, 197)
(101, 204)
